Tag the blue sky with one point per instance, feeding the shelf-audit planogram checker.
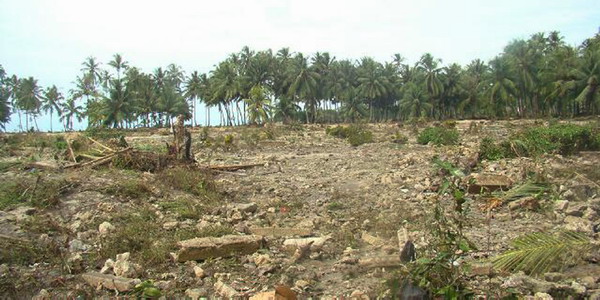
(50, 39)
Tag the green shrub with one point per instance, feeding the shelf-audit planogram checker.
(438, 136)
(399, 138)
(565, 139)
(39, 192)
(129, 189)
(190, 180)
(355, 134)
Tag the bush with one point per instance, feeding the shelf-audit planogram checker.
(356, 135)
(438, 136)
(565, 139)
(399, 138)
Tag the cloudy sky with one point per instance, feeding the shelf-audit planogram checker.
(49, 39)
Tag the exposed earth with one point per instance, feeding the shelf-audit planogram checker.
(354, 206)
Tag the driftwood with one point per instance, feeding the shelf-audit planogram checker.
(71, 152)
(233, 167)
(100, 160)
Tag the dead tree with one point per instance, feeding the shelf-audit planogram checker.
(182, 141)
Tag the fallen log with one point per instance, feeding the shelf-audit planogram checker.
(233, 167)
(99, 161)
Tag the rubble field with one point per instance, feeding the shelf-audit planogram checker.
(279, 211)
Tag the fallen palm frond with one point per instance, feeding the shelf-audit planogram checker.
(448, 167)
(526, 189)
(537, 253)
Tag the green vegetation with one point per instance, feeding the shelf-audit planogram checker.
(538, 252)
(190, 180)
(355, 134)
(399, 138)
(563, 139)
(438, 136)
(132, 189)
(36, 191)
(535, 77)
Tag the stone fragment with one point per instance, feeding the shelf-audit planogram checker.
(110, 282)
(170, 225)
(280, 293)
(482, 269)
(483, 183)
(381, 261)
(579, 225)
(280, 231)
(315, 243)
(196, 294)
(199, 272)
(212, 247)
(226, 291)
(371, 239)
(109, 264)
(245, 207)
(561, 205)
(106, 228)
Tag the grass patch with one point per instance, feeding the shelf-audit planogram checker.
(335, 206)
(39, 192)
(132, 189)
(564, 139)
(438, 136)
(184, 208)
(355, 134)
(190, 180)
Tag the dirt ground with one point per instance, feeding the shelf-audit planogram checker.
(360, 198)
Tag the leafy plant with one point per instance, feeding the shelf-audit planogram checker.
(438, 136)
(538, 252)
(525, 190)
(355, 134)
(147, 289)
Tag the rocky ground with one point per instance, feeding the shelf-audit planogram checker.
(317, 217)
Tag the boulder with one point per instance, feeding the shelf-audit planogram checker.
(213, 247)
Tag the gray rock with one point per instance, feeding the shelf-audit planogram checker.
(579, 224)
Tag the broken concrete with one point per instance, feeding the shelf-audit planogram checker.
(110, 282)
(486, 183)
(212, 247)
(280, 231)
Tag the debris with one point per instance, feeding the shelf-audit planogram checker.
(196, 294)
(380, 261)
(226, 291)
(486, 183)
(280, 293)
(110, 282)
(199, 272)
(280, 231)
(212, 247)
(371, 239)
(124, 268)
(233, 167)
(315, 243)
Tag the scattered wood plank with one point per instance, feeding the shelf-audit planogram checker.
(233, 167)
(71, 152)
(101, 145)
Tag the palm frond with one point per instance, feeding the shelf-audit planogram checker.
(526, 189)
(537, 253)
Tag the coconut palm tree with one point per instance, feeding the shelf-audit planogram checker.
(119, 64)
(71, 110)
(52, 102)
(503, 90)
(372, 83)
(116, 106)
(414, 104)
(433, 85)
(29, 98)
(4, 98)
(192, 91)
(304, 85)
(258, 105)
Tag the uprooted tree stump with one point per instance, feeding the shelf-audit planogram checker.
(182, 141)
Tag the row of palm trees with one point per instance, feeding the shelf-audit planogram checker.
(537, 77)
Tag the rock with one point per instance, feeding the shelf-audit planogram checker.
(371, 239)
(280, 293)
(170, 225)
(594, 295)
(226, 291)
(165, 285)
(78, 246)
(245, 207)
(578, 224)
(262, 259)
(525, 283)
(380, 261)
(196, 294)
(199, 272)
(561, 205)
(479, 183)
(358, 294)
(314, 243)
(280, 231)
(212, 247)
(482, 269)
(529, 203)
(110, 282)
(578, 288)
(301, 284)
(539, 296)
(42, 295)
(576, 210)
(553, 276)
(124, 268)
(106, 228)
(271, 210)
(75, 263)
(109, 264)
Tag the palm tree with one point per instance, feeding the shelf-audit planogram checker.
(473, 85)
(71, 110)
(52, 102)
(433, 84)
(353, 108)
(119, 64)
(414, 103)
(587, 81)
(116, 106)
(29, 98)
(503, 89)
(193, 90)
(92, 68)
(259, 105)
(372, 84)
(304, 85)
(4, 99)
